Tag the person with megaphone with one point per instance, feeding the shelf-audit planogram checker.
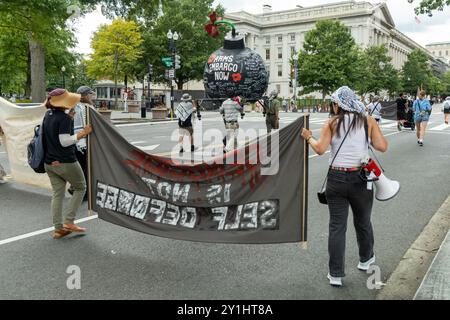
(350, 133)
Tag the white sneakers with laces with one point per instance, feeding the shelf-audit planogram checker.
(364, 266)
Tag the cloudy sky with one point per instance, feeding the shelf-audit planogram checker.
(434, 29)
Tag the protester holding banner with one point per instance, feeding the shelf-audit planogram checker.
(446, 109)
(184, 113)
(61, 162)
(79, 124)
(348, 132)
(231, 110)
(422, 111)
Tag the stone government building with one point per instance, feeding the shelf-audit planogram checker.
(277, 35)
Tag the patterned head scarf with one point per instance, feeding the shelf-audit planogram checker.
(348, 100)
(448, 98)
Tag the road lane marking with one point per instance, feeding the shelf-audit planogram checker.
(440, 127)
(36, 233)
(144, 124)
(138, 142)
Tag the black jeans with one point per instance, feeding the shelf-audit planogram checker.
(344, 189)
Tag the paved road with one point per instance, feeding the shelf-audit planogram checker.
(117, 263)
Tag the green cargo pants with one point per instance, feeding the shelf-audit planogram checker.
(59, 176)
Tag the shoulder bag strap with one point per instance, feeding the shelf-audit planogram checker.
(334, 158)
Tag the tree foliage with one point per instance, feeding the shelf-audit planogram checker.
(116, 47)
(330, 58)
(187, 18)
(416, 72)
(428, 6)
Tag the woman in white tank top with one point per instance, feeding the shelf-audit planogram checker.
(345, 188)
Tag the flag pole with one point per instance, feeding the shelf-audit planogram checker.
(89, 182)
(304, 196)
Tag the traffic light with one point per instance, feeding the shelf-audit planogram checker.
(168, 62)
(177, 62)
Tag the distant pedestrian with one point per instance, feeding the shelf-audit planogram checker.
(184, 113)
(231, 110)
(446, 109)
(61, 162)
(374, 109)
(422, 111)
(401, 111)
(273, 117)
(285, 105)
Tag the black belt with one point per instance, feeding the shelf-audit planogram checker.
(231, 121)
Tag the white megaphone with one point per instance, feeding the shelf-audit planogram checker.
(386, 189)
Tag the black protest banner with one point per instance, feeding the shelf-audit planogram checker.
(389, 110)
(260, 199)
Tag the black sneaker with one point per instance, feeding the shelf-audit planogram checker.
(420, 143)
(181, 150)
(192, 148)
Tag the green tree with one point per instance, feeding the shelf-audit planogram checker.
(330, 58)
(378, 72)
(428, 6)
(435, 86)
(416, 71)
(39, 23)
(187, 18)
(116, 47)
(446, 83)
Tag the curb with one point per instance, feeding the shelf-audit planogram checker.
(410, 272)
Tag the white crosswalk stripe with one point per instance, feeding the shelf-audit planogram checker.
(440, 127)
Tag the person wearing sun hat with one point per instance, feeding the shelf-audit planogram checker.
(346, 133)
(184, 113)
(61, 163)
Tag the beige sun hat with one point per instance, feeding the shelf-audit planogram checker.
(61, 98)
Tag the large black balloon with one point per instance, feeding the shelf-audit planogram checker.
(235, 70)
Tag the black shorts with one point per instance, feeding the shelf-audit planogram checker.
(447, 111)
(401, 115)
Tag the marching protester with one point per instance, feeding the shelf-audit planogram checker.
(184, 112)
(61, 162)
(374, 109)
(401, 111)
(231, 110)
(349, 140)
(2, 171)
(272, 110)
(422, 111)
(446, 109)
(80, 121)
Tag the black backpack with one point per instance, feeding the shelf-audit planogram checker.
(36, 151)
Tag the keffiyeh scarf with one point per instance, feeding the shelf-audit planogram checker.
(348, 100)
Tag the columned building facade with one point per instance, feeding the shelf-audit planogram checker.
(277, 35)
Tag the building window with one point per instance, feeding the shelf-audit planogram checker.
(446, 52)
(293, 37)
(280, 53)
(267, 54)
(278, 88)
(440, 53)
(280, 71)
(267, 40)
(280, 38)
(292, 51)
(111, 95)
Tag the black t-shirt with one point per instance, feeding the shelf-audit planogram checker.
(57, 122)
(401, 104)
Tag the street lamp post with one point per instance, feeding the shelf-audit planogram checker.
(63, 70)
(295, 77)
(73, 83)
(172, 37)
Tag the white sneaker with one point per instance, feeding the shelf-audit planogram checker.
(364, 266)
(335, 281)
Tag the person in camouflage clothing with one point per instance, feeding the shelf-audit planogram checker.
(272, 112)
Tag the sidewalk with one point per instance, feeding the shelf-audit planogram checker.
(436, 284)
